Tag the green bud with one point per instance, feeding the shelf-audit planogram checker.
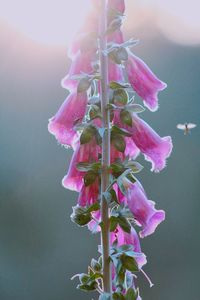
(126, 117)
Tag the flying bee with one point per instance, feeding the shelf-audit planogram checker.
(186, 127)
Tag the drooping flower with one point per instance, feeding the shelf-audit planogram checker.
(142, 209)
(82, 64)
(144, 82)
(62, 124)
(124, 238)
(83, 153)
(155, 149)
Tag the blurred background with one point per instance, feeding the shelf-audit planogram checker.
(40, 249)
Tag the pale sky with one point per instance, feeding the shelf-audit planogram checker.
(55, 22)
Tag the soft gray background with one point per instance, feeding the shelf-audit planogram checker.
(40, 248)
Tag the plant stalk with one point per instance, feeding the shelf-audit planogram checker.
(105, 232)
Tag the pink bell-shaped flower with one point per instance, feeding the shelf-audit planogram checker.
(124, 238)
(144, 82)
(155, 149)
(83, 153)
(71, 111)
(143, 209)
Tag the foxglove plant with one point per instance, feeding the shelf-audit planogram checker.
(99, 120)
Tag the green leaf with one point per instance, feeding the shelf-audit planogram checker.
(84, 166)
(116, 167)
(95, 112)
(130, 43)
(118, 296)
(113, 223)
(135, 108)
(131, 294)
(126, 117)
(129, 263)
(100, 260)
(121, 186)
(118, 54)
(125, 248)
(119, 142)
(114, 196)
(114, 57)
(98, 137)
(84, 278)
(118, 85)
(90, 177)
(87, 287)
(131, 177)
(120, 96)
(124, 224)
(83, 85)
(81, 220)
(122, 54)
(87, 134)
(95, 265)
(121, 276)
(135, 166)
(122, 131)
(93, 207)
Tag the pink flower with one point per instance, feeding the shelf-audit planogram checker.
(62, 124)
(144, 81)
(124, 238)
(118, 5)
(89, 194)
(143, 209)
(83, 153)
(81, 64)
(155, 149)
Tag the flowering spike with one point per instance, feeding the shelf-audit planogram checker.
(99, 120)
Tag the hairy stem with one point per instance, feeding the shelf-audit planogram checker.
(105, 233)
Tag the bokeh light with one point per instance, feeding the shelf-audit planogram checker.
(56, 22)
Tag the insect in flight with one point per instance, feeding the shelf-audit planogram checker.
(186, 127)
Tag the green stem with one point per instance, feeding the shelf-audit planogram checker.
(105, 233)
